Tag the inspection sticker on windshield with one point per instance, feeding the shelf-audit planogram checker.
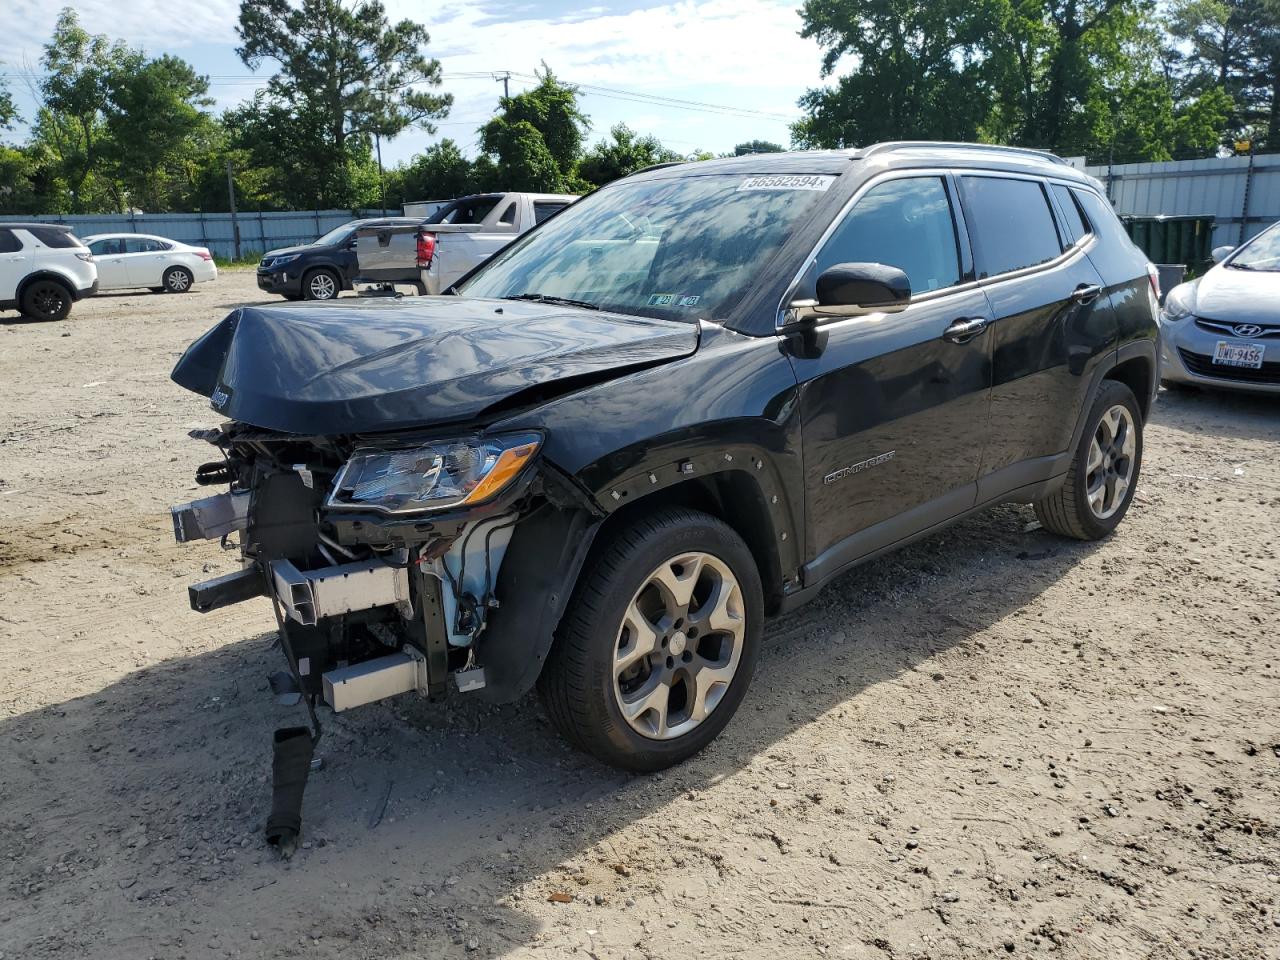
(805, 182)
(672, 299)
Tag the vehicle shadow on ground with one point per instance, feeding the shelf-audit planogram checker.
(1228, 414)
(426, 818)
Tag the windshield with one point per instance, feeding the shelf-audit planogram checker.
(679, 249)
(1260, 253)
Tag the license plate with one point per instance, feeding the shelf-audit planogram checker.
(1235, 354)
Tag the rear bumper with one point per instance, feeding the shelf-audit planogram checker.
(83, 292)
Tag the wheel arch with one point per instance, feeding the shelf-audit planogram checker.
(1139, 375)
(53, 275)
(551, 548)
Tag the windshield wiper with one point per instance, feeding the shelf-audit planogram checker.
(561, 301)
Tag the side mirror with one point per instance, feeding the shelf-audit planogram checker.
(1221, 253)
(850, 289)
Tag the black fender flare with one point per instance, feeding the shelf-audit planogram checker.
(1134, 350)
(539, 571)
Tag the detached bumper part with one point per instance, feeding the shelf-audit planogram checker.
(211, 518)
(311, 595)
(291, 762)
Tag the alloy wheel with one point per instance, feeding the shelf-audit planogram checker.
(48, 300)
(679, 645)
(322, 287)
(179, 281)
(1109, 471)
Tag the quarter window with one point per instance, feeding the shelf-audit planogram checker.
(542, 209)
(54, 237)
(903, 223)
(1076, 228)
(1010, 224)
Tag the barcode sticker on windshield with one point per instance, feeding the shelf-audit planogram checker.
(806, 182)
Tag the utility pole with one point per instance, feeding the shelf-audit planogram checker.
(382, 193)
(231, 195)
(505, 77)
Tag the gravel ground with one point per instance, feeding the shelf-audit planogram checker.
(994, 742)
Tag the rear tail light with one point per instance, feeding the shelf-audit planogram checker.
(204, 254)
(1154, 276)
(86, 257)
(426, 248)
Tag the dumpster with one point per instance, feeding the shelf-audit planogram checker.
(1171, 240)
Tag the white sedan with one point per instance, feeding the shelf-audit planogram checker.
(138, 260)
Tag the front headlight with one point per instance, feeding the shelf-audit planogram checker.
(434, 476)
(1179, 304)
(277, 262)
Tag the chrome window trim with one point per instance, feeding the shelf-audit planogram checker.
(1080, 248)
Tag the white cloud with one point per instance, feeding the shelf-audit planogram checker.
(741, 53)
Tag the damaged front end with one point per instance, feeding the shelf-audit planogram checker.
(380, 557)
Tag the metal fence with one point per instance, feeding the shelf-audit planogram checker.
(259, 232)
(1242, 194)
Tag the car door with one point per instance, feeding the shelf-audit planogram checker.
(113, 270)
(14, 264)
(1049, 324)
(894, 405)
(146, 259)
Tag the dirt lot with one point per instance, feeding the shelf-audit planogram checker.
(993, 743)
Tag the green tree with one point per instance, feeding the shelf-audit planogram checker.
(157, 130)
(8, 109)
(624, 153)
(918, 70)
(75, 95)
(757, 146)
(440, 172)
(535, 141)
(344, 65)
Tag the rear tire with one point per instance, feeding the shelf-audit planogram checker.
(46, 300)
(1104, 472)
(321, 284)
(672, 601)
(178, 280)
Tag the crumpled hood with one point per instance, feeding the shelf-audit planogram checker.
(360, 366)
(1238, 296)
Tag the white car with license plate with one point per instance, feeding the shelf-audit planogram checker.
(129, 260)
(1223, 329)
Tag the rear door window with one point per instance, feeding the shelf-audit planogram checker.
(144, 245)
(904, 223)
(9, 242)
(1010, 224)
(1074, 222)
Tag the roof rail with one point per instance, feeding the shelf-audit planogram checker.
(992, 147)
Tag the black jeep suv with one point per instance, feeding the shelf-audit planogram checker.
(681, 406)
(319, 270)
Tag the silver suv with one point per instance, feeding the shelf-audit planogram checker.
(44, 269)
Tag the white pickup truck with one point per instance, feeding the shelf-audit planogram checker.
(432, 255)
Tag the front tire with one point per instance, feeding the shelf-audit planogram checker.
(178, 280)
(46, 300)
(1104, 472)
(321, 284)
(659, 642)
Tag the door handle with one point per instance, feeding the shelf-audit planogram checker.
(962, 331)
(1086, 293)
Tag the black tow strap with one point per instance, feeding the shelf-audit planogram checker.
(292, 750)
